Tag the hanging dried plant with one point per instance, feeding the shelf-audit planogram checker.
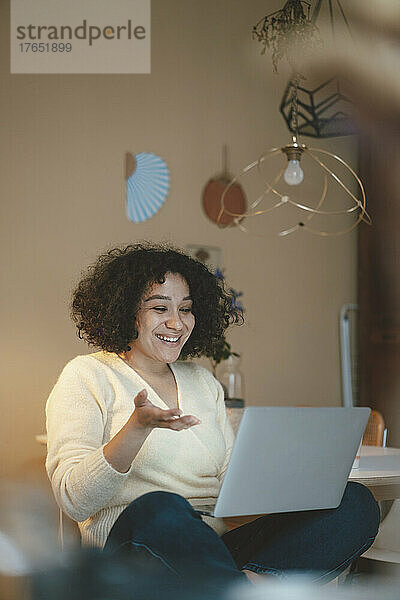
(284, 31)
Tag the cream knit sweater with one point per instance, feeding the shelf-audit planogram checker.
(91, 401)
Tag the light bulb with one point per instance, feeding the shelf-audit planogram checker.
(294, 173)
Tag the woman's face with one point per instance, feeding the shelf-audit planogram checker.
(164, 320)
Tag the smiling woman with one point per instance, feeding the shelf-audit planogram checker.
(144, 306)
(138, 439)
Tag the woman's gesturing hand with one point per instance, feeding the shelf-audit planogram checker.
(149, 416)
(124, 446)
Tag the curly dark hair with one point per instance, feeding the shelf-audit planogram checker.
(106, 300)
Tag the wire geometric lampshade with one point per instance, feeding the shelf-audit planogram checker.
(321, 112)
(273, 196)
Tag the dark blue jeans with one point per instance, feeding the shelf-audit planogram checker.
(164, 535)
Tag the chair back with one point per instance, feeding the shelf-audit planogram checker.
(374, 431)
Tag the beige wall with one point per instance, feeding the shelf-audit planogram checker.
(62, 199)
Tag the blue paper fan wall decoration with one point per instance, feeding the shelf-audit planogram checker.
(147, 185)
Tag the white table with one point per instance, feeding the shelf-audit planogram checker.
(379, 471)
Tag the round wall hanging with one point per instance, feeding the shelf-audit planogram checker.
(147, 185)
(235, 199)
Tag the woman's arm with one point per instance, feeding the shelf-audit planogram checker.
(83, 481)
(85, 474)
(226, 428)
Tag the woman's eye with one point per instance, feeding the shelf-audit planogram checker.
(162, 309)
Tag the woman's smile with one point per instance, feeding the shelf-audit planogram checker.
(168, 339)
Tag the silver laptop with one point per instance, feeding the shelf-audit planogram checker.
(289, 459)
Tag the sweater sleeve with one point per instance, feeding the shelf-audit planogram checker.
(83, 481)
(226, 428)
